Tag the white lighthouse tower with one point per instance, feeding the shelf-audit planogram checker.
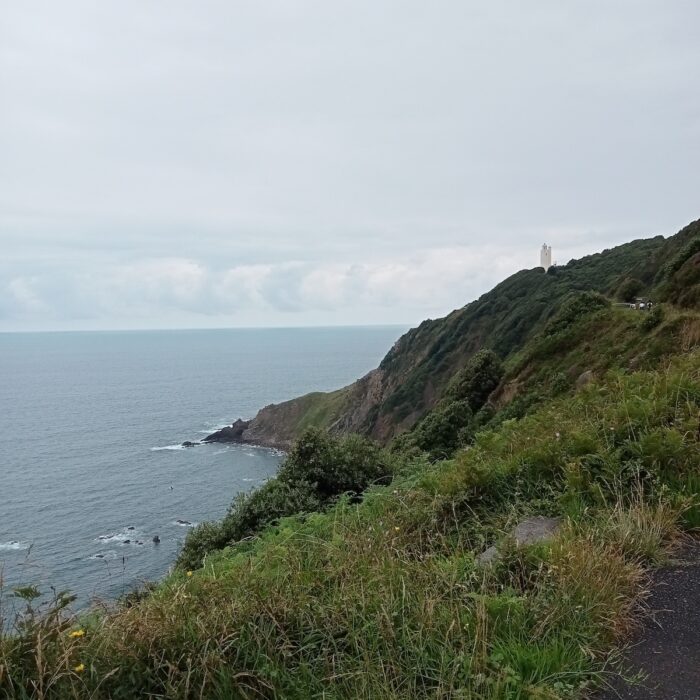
(546, 257)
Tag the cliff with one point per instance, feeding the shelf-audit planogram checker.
(413, 376)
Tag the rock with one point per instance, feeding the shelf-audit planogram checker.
(131, 527)
(231, 433)
(585, 378)
(127, 541)
(156, 539)
(535, 529)
(488, 557)
(529, 531)
(188, 443)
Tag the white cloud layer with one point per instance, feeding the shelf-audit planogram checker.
(426, 283)
(234, 163)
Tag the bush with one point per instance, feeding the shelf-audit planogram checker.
(653, 318)
(335, 465)
(629, 289)
(318, 468)
(560, 383)
(477, 380)
(444, 429)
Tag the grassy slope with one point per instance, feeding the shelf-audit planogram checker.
(384, 599)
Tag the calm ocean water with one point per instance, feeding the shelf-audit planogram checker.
(90, 469)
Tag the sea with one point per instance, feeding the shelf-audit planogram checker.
(91, 426)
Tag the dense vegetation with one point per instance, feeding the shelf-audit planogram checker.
(450, 424)
(356, 574)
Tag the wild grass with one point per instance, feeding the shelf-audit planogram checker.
(385, 598)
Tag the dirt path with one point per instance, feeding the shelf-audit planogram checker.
(667, 650)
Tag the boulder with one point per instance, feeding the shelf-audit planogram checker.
(532, 530)
(536, 529)
(188, 443)
(231, 433)
(585, 378)
(489, 556)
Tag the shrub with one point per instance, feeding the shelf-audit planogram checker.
(318, 468)
(332, 466)
(653, 318)
(450, 423)
(629, 289)
(439, 433)
(477, 380)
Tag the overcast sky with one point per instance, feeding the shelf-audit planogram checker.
(277, 163)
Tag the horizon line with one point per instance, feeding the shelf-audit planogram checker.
(212, 328)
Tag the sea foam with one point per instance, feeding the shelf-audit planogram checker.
(12, 545)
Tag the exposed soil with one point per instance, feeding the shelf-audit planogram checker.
(667, 649)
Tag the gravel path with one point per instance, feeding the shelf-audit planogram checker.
(667, 650)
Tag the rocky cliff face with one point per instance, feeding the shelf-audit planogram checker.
(415, 372)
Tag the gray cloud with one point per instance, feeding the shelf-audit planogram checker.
(234, 163)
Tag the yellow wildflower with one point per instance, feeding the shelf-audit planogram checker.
(189, 573)
(397, 528)
(79, 668)
(77, 633)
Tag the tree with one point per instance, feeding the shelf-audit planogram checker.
(477, 380)
(629, 289)
(335, 465)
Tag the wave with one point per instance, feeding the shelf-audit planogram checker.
(13, 546)
(249, 449)
(214, 428)
(168, 447)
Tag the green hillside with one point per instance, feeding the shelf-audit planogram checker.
(412, 377)
(394, 569)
